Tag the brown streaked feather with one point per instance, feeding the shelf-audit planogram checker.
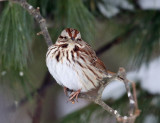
(75, 57)
(63, 45)
(100, 64)
(91, 56)
(89, 79)
(68, 56)
(58, 55)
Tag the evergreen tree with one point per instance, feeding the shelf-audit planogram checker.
(130, 33)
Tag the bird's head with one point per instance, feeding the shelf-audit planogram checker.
(70, 34)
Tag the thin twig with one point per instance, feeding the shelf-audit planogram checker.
(38, 110)
(137, 111)
(122, 74)
(134, 95)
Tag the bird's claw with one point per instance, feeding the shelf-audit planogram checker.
(74, 96)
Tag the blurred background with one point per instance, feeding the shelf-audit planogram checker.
(124, 33)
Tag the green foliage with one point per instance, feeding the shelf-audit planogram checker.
(69, 13)
(47, 7)
(144, 40)
(15, 37)
(43, 5)
(15, 43)
(72, 13)
(81, 116)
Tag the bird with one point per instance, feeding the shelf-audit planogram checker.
(74, 65)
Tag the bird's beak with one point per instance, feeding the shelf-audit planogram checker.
(72, 38)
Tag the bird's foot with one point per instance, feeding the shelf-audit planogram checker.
(74, 96)
(65, 91)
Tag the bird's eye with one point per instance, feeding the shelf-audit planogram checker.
(60, 36)
(79, 39)
(65, 37)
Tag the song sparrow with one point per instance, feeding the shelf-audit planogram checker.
(74, 64)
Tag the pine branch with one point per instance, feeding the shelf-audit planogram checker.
(36, 14)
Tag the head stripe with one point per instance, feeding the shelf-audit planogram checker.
(75, 33)
(72, 32)
(69, 32)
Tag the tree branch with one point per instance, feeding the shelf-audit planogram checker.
(133, 112)
(38, 110)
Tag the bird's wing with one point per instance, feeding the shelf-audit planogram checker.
(91, 56)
